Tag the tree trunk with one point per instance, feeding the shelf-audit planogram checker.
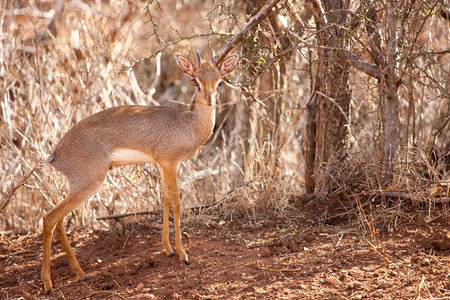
(331, 123)
(389, 94)
(309, 145)
(332, 81)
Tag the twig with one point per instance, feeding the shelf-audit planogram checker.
(94, 293)
(137, 213)
(408, 196)
(100, 293)
(120, 286)
(378, 252)
(218, 252)
(181, 39)
(126, 241)
(277, 270)
(335, 104)
(238, 37)
(327, 218)
(3, 256)
(14, 189)
(62, 294)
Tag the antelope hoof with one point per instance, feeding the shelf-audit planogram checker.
(186, 262)
(172, 254)
(50, 292)
(86, 278)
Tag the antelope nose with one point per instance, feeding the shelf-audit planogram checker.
(208, 99)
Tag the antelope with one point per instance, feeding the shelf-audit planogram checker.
(134, 134)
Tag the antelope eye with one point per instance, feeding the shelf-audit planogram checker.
(219, 85)
(195, 82)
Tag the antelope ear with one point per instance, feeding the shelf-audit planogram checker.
(229, 63)
(184, 64)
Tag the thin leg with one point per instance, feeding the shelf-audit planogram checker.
(73, 263)
(46, 254)
(52, 220)
(173, 188)
(166, 211)
(171, 196)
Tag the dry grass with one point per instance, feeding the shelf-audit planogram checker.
(103, 56)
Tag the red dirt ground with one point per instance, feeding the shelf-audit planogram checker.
(275, 258)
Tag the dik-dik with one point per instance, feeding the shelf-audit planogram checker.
(129, 135)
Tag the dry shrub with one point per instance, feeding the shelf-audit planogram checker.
(357, 189)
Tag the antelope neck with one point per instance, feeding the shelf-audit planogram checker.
(204, 118)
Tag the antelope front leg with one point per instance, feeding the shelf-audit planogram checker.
(166, 211)
(176, 217)
(171, 196)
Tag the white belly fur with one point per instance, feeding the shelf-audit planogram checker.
(124, 156)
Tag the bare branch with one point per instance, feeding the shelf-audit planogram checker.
(408, 196)
(137, 213)
(363, 66)
(14, 189)
(335, 104)
(238, 37)
(445, 13)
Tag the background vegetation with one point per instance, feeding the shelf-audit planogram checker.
(340, 102)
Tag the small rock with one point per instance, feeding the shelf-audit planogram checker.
(357, 296)
(265, 252)
(151, 262)
(333, 280)
(425, 262)
(354, 285)
(248, 289)
(140, 286)
(442, 240)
